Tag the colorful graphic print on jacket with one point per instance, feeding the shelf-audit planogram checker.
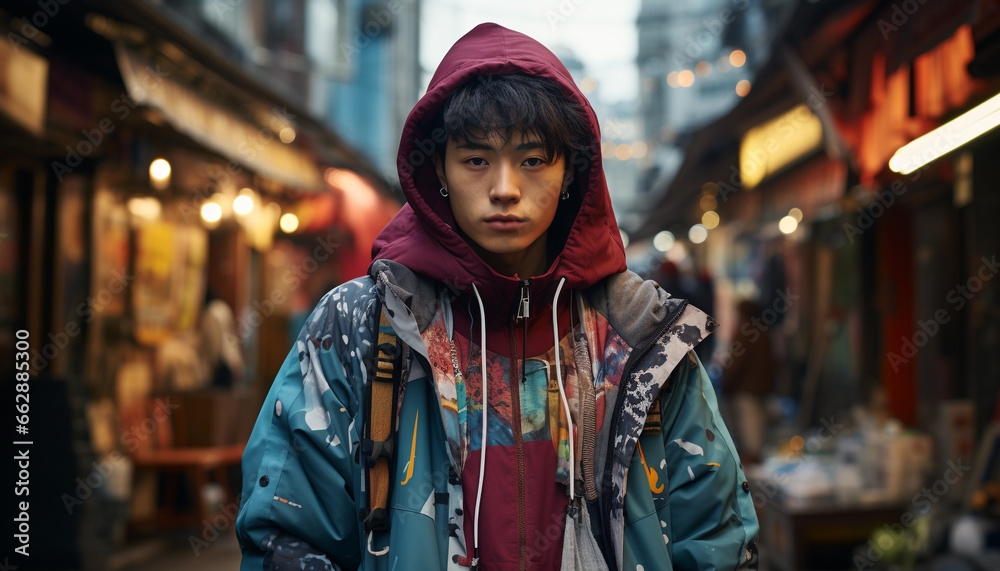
(542, 415)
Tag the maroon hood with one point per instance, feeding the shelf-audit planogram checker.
(422, 235)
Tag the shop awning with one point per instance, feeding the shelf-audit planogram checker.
(24, 76)
(253, 146)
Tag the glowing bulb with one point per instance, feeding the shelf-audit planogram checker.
(624, 152)
(159, 169)
(787, 225)
(697, 234)
(211, 212)
(159, 174)
(287, 135)
(243, 204)
(685, 78)
(710, 219)
(588, 84)
(663, 241)
(737, 58)
(796, 214)
(703, 69)
(743, 88)
(624, 237)
(289, 223)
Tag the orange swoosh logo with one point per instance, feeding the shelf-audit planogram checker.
(651, 474)
(413, 451)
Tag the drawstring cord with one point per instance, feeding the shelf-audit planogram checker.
(562, 391)
(485, 383)
(482, 448)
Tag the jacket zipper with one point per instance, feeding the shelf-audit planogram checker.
(630, 364)
(517, 364)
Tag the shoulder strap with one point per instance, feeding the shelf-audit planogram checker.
(380, 422)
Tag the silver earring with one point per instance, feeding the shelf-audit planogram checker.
(444, 192)
(565, 195)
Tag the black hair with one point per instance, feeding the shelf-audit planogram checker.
(515, 104)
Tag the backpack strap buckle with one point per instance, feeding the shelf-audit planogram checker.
(372, 450)
(376, 520)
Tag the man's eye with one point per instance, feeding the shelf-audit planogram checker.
(534, 162)
(477, 161)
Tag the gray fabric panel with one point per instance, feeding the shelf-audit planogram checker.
(634, 307)
(416, 292)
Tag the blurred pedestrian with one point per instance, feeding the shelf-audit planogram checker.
(532, 373)
(701, 292)
(222, 360)
(748, 381)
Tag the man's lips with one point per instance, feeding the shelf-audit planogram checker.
(505, 222)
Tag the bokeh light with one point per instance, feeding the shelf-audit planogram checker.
(623, 152)
(710, 219)
(211, 212)
(787, 225)
(243, 204)
(289, 223)
(663, 241)
(737, 58)
(159, 174)
(698, 234)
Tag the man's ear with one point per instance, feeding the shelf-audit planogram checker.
(567, 176)
(439, 169)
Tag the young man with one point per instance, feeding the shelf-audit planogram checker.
(552, 412)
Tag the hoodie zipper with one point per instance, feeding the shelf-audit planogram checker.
(517, 364)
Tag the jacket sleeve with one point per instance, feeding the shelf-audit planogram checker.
(299, 477)
(711, 513)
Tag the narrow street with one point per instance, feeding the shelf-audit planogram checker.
(800, 196)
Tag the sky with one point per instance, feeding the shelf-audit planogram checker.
(602, 34)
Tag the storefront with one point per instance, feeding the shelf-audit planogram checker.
(887, 277)
(135, 178)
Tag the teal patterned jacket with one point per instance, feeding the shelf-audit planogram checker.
(670, 494)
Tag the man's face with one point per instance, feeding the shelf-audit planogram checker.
(503, 196)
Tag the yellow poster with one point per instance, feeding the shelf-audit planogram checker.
(151, 295)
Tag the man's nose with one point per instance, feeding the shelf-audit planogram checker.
(506, 185)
